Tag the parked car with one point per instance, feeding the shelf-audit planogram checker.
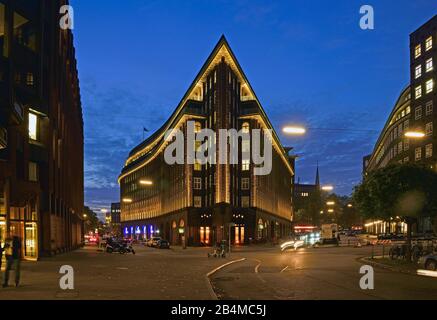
(429, 262)
(163, 244)
(153, 242)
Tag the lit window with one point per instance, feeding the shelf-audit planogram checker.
(408, 110)
(245, 127)
(418, 71)
(428, 152)
(429, 86)
(197, 166)
(428, 44)
(429, 65)
(29, 79)
(245, 146)
(406, 124)
(197, 183)
(245, 184)
(418, 51)
(33, 126)
(245, 202)
(33, 172)
(197, 127)
(429, 108)
(418, 154)
(418, 92)
(429, 129)
(197, 202)
(400, 147)
(245, 165)
(418, 112)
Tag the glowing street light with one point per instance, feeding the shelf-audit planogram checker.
(330, 203)
(146, 182)
(350, 205)
(327, 188)
(294, 130)
(84, 215)
(330, 210)
(414, 134)
(127, 200)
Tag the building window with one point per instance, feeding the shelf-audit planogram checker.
(429, 129)
(418, 71)
(418, 51)
(406, 159)
(428, 152)
(418, 92)
(406, 124)
(245, 127)
(245, 184)
(197, 202)
(429, 65)
(33, 172)
(400, 146)
(429, 108)
(245, 202)
(428, 44)
(197, 183)
(406, 145)
(429, 85)
(29, 79)
(418, 154)
(418, 112)
(408, 110)
(245, 165)
(197, 127)
(33, 126)
(197, 166)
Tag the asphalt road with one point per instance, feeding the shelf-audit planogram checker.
(177, 274)
(322, 273)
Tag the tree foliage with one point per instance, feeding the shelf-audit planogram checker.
(408, 190)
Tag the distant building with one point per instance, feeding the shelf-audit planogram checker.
(414, 111)
(307, 201)
(41, 130)
(115, 220)
(203, 202)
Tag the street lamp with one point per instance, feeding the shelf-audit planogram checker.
(350, 205)
(84, 215)
(294, 130)
(327, 188)
(330, 203)
(127, 200)
(414, 134)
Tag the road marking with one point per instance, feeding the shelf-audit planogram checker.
(208, 281)
(427, 273)
(284, 269)
(258, 265)
(122, 268)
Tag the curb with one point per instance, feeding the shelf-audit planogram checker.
(209, 285)
(384, 266)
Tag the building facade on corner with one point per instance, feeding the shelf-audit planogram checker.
(207, 203)
(41, 130)
(413, 112)
(115, 218)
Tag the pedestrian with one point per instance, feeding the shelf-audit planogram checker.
(13, 258)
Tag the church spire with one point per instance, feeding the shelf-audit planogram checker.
(317, 175)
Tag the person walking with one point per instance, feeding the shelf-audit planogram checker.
(13, 258)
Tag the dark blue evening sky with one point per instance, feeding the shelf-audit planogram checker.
(308, 62)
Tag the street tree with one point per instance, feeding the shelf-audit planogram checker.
(408, 191)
